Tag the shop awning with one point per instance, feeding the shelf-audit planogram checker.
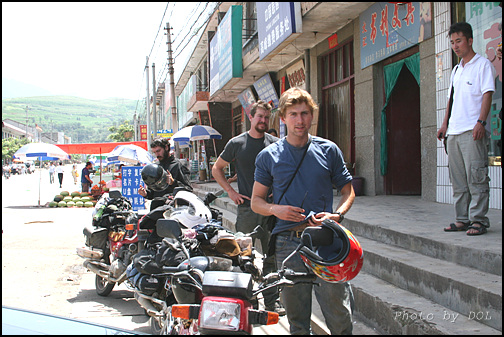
(91, 148)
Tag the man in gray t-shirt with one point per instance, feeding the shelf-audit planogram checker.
(243, 149)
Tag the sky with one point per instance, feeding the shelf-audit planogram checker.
(92, 50)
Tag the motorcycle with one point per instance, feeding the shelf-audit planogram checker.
(111, 242)
(151, 273)
(218, 299)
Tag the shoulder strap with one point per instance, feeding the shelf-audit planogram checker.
(295, 172)
(451, 97)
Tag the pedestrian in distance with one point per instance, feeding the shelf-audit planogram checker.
(75, 174)
(472, 82)
(273, 132)
(313, 165)
(51, 172)
(243, 150)
(86, 181)
(177, 172)
(59, 171)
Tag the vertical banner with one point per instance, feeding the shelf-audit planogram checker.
(131, 181)
(247, 99)
(143, 132)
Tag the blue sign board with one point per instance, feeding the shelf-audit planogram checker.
(131, 181)
(226, 50)
(389, 28)
(266, 91)
(276, 21)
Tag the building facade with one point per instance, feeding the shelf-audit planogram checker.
(379, 72)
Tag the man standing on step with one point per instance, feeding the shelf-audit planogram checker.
(473, 85)
(243, 149)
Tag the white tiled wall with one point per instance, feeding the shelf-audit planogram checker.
(444, 193)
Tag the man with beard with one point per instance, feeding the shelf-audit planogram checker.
(178, 174)
(243, 149)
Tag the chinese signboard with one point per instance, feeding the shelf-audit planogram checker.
(165, 133)
(266, 91)
(247, 99)
(389, 28)
(226, 50)
(276, 21)
(131, 180)
(143, 132)
(296, 75)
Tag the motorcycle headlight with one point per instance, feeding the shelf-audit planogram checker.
(220, 315)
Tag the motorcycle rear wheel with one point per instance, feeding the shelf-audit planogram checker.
(103, 287)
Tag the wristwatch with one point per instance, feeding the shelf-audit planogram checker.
(482, 122)
(341, 217)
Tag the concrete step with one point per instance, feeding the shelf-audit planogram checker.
(458, 288)
(455, 250)
(395, 311)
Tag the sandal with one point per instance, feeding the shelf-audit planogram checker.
(455, 228)
(480, 230)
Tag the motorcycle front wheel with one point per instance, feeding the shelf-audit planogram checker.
(103, 287)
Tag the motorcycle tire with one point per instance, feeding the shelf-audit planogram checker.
(156, 329)
(103, 287)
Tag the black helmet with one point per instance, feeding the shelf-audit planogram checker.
(155, 177)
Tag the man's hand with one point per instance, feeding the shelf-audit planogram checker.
(169, 178)
(288, 213)
(142, 191)
(237, 197)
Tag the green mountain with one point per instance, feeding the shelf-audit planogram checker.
(85, 120)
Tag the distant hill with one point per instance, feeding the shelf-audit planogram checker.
(13, 89)
(85, 120)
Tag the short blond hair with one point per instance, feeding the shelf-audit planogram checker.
(296, 96)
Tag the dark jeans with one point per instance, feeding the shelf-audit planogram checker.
(60, 178)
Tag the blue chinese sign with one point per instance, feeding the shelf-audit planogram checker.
(166, 133)
(389, 28)
(226, 50)
(131, 181)
(276, 21)
(266, 91)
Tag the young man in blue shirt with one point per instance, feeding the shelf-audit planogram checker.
(311, 191)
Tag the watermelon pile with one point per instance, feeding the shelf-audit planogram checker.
(74, 199)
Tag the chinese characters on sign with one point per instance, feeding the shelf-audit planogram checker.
(266, 91)
(389, 28)
(167, 133)
(296, 75)
(276, 21)
(131, 181)
(143, 132)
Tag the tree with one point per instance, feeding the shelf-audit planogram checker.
(10, 146)
(122, 133)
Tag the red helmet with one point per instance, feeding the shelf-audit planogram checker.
(332, 252)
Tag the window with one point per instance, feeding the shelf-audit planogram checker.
(336, 120)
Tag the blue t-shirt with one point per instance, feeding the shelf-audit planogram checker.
(312, 188)
(85, 172)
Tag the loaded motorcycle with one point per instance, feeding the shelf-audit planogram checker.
(220, 301)
(111, 242)
(154, 285)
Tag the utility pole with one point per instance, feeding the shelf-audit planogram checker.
(173, 106)
(154, 94)
(149, 141)
(26, 122)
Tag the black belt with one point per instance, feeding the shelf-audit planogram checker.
(291, 234)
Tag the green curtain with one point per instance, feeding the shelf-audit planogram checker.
(391, 74)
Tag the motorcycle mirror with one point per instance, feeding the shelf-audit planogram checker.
(168, 228)
(115, 194)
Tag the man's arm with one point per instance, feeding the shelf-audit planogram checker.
(261, 206)
(218, 174)
(346, 201)
(479, 129)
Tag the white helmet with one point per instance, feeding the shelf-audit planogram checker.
(189, 210)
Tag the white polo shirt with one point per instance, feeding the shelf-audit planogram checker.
(470, 82)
